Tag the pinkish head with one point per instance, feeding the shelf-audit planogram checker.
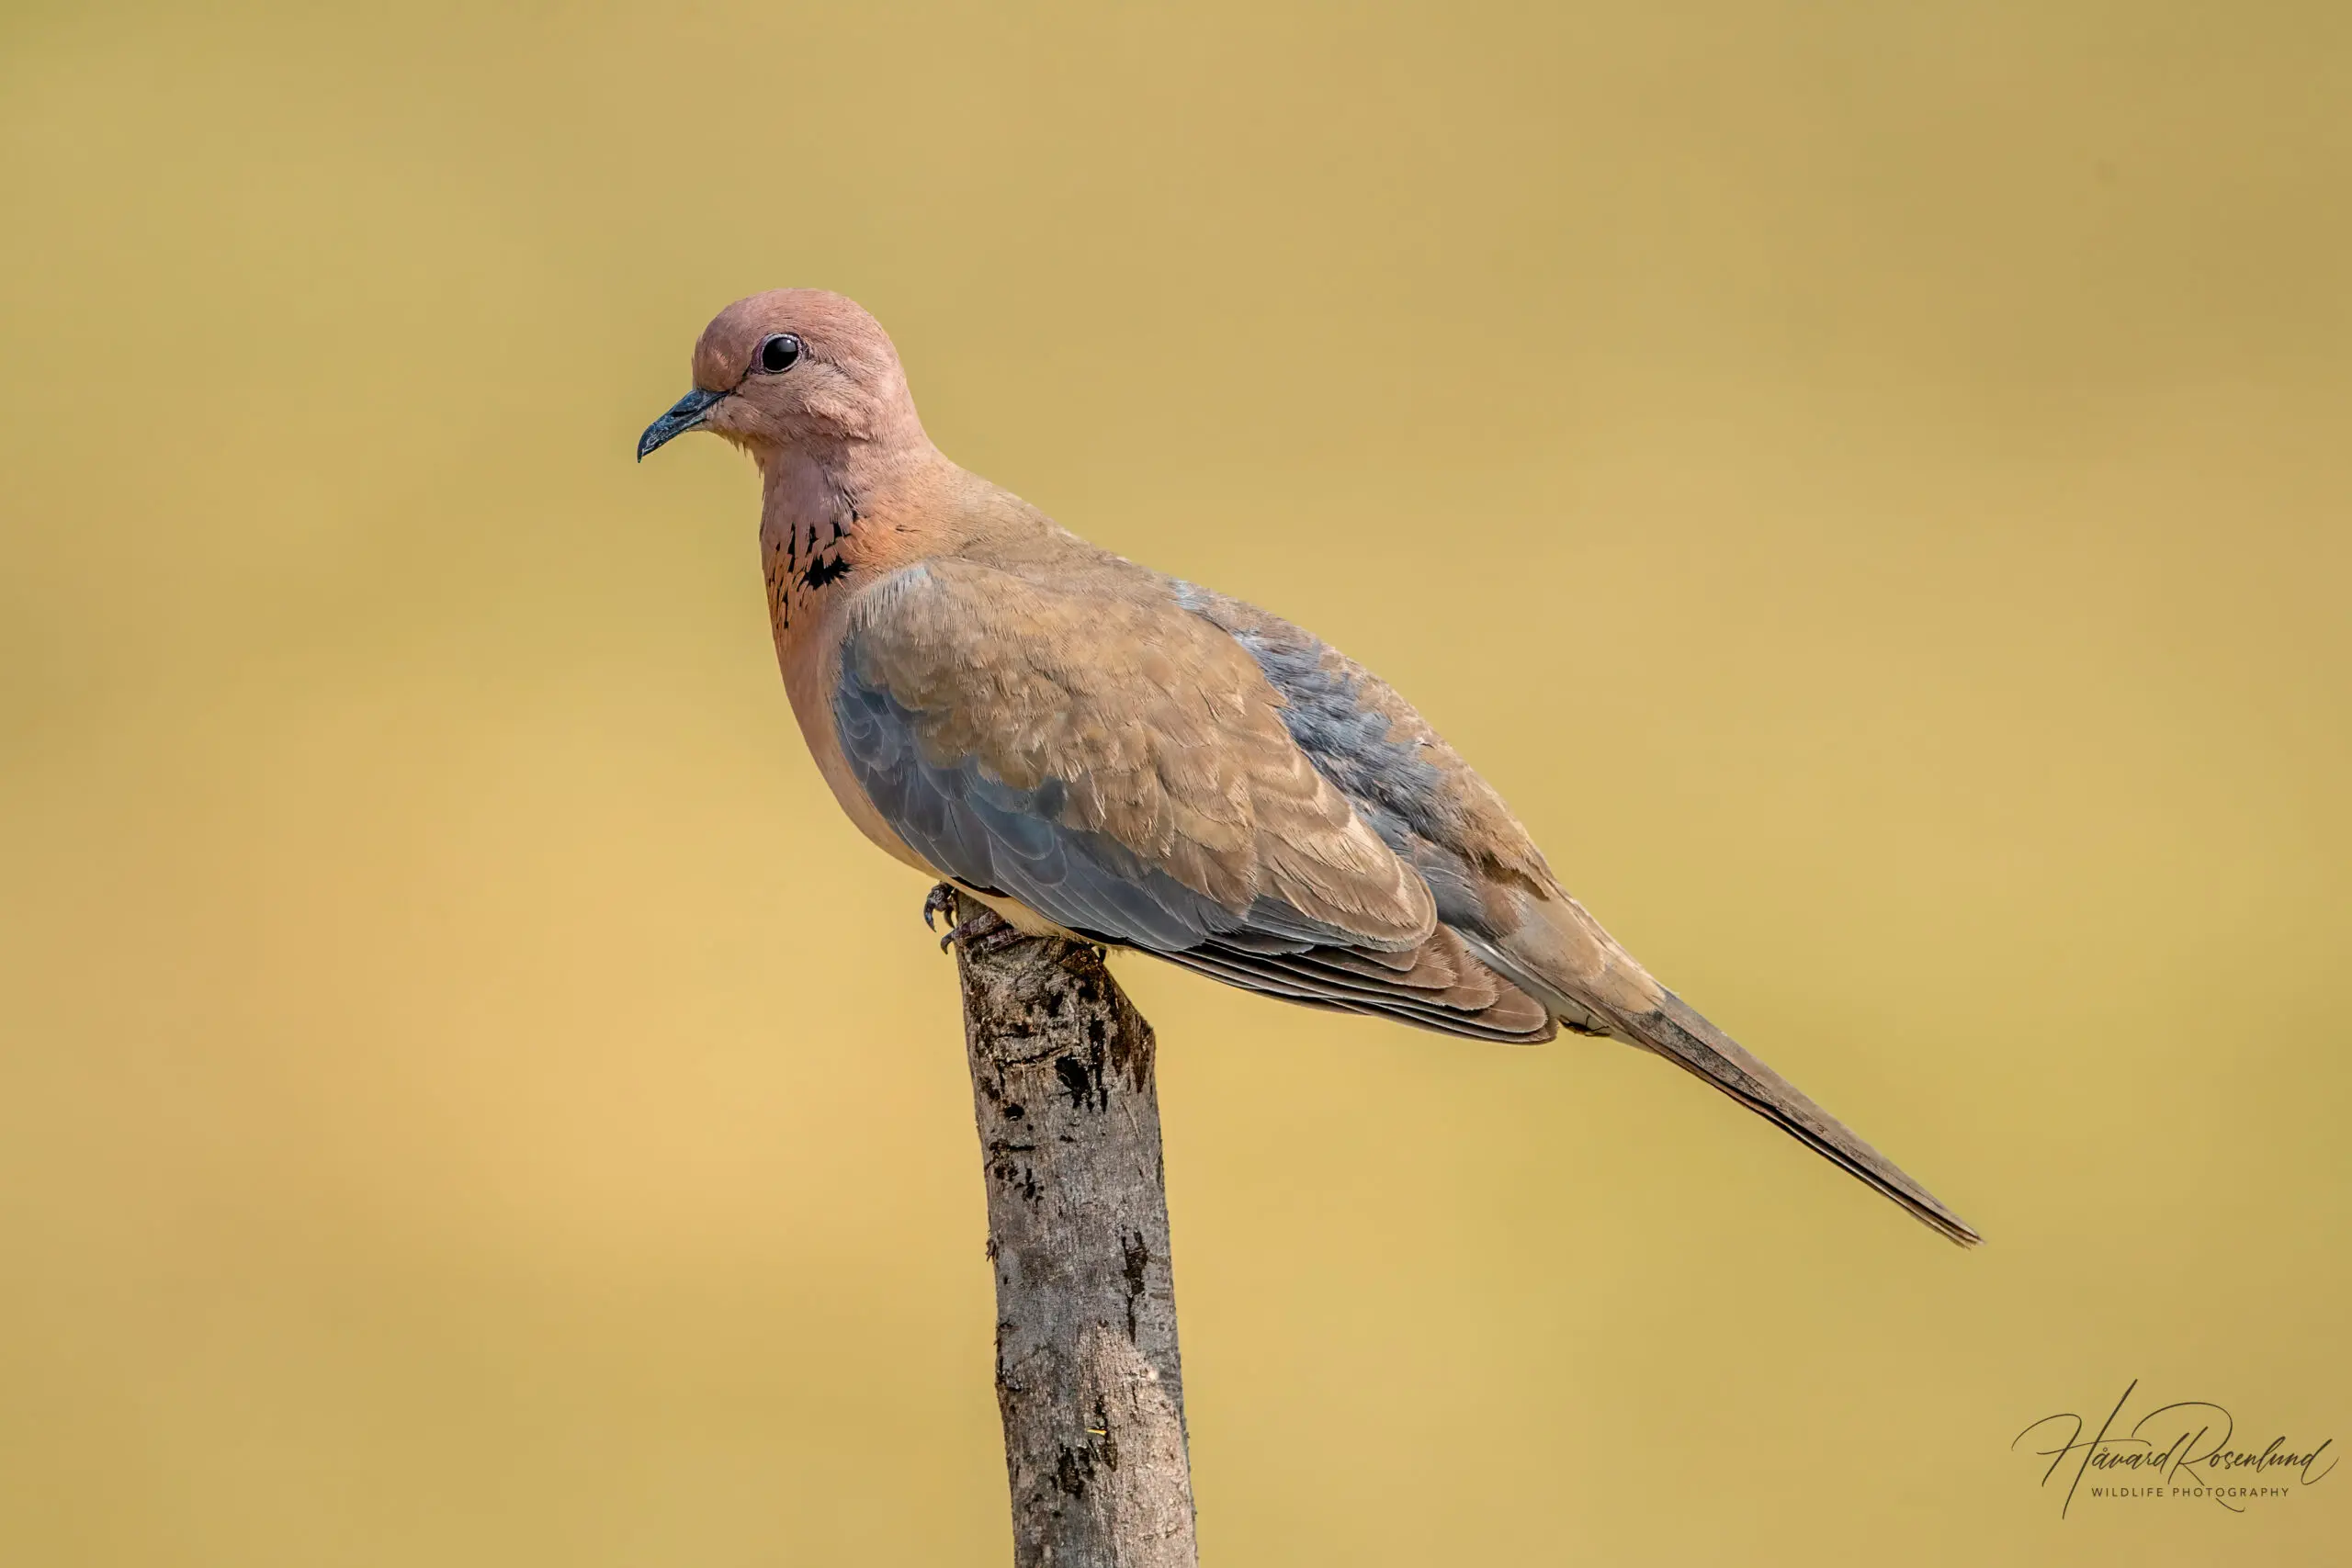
(793, 368)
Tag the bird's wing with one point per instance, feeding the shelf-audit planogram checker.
(1492, 887)
(1117, 765)
(1489, 882)
(1122, 767)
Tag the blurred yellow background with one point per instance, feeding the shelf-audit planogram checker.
(1869, 483)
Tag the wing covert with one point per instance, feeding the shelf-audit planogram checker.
(1117, 765)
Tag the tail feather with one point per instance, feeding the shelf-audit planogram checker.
(1675, 1031)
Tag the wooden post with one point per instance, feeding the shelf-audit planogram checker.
(1087, 1377)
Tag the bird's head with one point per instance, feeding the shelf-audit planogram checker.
(793, 369)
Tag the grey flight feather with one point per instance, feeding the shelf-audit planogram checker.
(998, 839)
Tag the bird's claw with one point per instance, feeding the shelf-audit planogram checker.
(986, 932)
(982, 932)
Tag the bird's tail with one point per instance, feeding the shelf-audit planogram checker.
(1674, 1029)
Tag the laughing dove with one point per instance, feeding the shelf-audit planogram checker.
(1091, 749)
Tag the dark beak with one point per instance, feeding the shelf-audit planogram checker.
(686, 413)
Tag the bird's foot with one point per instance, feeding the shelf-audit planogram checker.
(984, 933)
(980, 932)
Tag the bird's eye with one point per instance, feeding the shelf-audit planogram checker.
(779, 353)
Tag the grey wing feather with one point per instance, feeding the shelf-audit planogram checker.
(991, 836)
(1423, 801)
(1007, 841)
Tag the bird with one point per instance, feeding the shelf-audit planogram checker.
(1096, 750)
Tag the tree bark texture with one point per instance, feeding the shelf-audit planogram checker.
(1087, 1377)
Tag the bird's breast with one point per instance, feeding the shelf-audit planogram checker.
(809, 652)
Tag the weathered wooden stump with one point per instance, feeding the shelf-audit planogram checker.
(1087, 1375)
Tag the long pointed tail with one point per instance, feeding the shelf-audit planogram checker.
(1676, 1032)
